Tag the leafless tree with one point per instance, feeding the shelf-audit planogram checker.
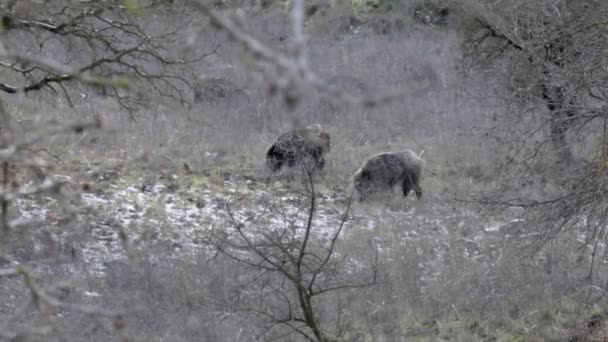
(552, 85)
(110, 44)
(44, 300)
(101, 45)
(114, 52)
(295, 263)
(550, 51)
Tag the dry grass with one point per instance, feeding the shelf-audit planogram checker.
(439, 281)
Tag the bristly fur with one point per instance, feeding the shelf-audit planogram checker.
(385, 170)
(309, 143)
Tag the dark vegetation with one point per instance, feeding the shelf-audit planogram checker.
(136, 202)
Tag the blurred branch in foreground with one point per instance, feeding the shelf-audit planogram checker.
(288, 72)
(109, 44)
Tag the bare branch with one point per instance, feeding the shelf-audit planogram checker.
(286, 71)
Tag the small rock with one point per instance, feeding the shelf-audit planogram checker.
(146, 187)
(106, 175)
(172, 187)
(226, 175)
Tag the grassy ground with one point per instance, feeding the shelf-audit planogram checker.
(449, 270)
